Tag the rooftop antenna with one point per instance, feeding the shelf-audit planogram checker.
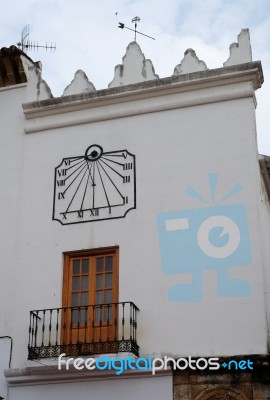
(25, 44)
(134, 20)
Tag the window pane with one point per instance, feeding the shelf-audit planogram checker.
(85, 266)
(99, 297)
(84, 282)
(108, 296)
(76, 267)
(98, 314)
(74, 316)
(108, 280)
(74, 301)
(99, 281)
(100, 262)
(75, 283)
(83, 316)
(84, 298)
(108, 263)
(108, 314)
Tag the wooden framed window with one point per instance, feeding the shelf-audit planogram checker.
(90, 291)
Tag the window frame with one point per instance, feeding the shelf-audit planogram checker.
(67, 273)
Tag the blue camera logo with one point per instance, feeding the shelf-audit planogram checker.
(209, 238)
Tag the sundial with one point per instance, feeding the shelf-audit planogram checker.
(95, 186)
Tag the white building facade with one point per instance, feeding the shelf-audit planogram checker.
(135, 222)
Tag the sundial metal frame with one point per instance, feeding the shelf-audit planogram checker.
(95, 186)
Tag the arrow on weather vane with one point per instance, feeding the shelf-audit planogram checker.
(135, 20)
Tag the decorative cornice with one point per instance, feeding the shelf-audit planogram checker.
(18, 86)
(134, 99)
(51, 374)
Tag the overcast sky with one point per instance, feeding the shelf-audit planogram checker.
(87, 38)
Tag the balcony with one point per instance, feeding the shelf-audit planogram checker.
(84, 330)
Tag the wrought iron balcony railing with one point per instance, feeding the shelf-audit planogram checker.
(84, 330)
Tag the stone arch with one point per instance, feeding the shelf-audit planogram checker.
(222, 393)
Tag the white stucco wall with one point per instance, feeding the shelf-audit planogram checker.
(122, 389)
(173, 148)
(5, 350)
(12, 137)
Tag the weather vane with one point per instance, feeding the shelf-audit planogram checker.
(25, 44)
(134, 20)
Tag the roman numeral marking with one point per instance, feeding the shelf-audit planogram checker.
(127, 166)
(62, 182)
(67, 162)
(61, 195)
(126, 179)
(94, 212)
(126, 200)
(64, 216)
(62, 172)
(80, 214)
